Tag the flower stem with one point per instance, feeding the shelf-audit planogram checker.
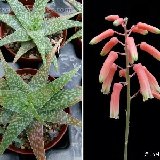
(128, 93)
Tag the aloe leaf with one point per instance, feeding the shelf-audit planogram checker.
(40, 79)
(14, 81)
(3, 84)
(42, 95)
(35, 137)
(19, 35)
(78, 34)
(21, 12)
(6, 116)
(55, 63)
(43, 43)
(17, 101)
(61, 117)
(55, 25)
(63, 99)
(25, 47)
(16, 126)
(10, 20)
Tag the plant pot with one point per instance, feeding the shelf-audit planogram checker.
(61, 132)
(29, 62)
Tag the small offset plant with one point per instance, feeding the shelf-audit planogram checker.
(32, 28)
(30, 106)
(149, 87)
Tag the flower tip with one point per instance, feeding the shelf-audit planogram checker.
(102, 53)
(115, 23)
(92, 42)
(100, 79)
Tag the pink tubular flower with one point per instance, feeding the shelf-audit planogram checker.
(118, 21)
(103, 35)
(138, 30)
(132, 48)
(114, 102)
(107, 66)
(107, 82)
(150, 49)
(152, 80)
(109, 45)
(122, 73)
(111, 17)
(147, 27)
(156, 95)
(143, 81)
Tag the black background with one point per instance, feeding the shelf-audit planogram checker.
(104, 137)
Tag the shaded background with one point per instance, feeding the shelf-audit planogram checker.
(104, 137)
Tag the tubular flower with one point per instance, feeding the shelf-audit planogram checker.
(152, 80)
(140, 31)
(143, 81)
(118, 21)
(147, 27)
(122, 73)
(131, 47)
(109, 45)
(150, 49)
(107, 82)
(114, 102)
(107, 66)
(103, 35)
(156, 95)
(111, 17)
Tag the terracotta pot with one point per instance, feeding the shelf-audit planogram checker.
(56, 139)
(24, 60)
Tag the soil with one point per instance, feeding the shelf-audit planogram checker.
(49, 132)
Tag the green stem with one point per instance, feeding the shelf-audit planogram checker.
(128, 94)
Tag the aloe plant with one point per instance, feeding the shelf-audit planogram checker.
(31, 28)
(30, 106)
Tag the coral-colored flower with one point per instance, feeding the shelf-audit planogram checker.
(147, 27)
(103, 35)
(131, 47)
(107, 65)
(109, 45)
(152, 80)
(111, 17)
(143, 81)
(156, 95)
(140, 31)
(107, 82)
(122, 73)
(150, 49)
(114, 102)
(118, 22)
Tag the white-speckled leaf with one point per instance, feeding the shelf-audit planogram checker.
(61, 117)
(19, 35)
(55, 63)
(64, 99)
(17, 101)
(41, 96)
(21, 12)
(55, 25)
(25, 46)
(35, 137)
(40, 79)
(78, 34)
(16, 126)
(6, 116)
(3, 84)
(10, 20)
(14, 81)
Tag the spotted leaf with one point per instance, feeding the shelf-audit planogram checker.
(35, 137)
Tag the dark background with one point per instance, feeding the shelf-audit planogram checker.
(104, 137)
